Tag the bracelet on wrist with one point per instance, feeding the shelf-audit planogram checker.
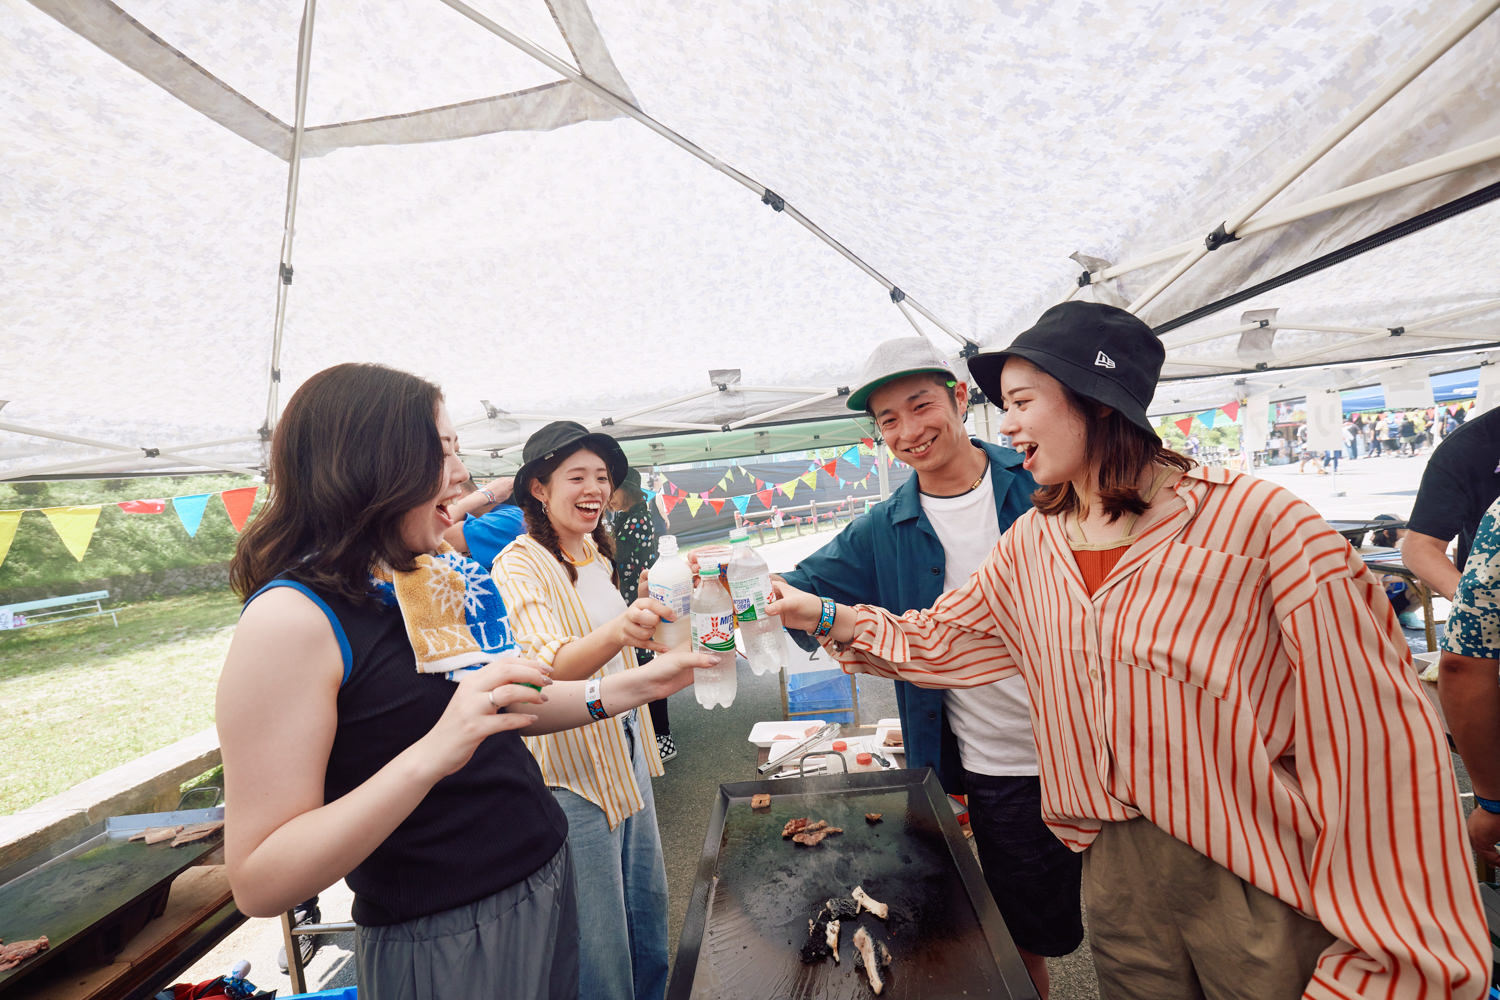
(593, 698)
(825, 620)
(1488, 805)
(488, 495)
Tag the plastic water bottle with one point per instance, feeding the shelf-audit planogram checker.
(671, 582)
(749, 586)
(713, 633)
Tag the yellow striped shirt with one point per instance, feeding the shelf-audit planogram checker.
(546, 612)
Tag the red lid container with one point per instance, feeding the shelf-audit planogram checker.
(863, 759)
(840, 746)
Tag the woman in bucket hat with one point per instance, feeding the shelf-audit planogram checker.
(560, 583)
(1226, 714)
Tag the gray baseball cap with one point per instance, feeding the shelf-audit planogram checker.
(895, 359)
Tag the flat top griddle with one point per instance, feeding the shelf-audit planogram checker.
(747, 918)
(65, 895)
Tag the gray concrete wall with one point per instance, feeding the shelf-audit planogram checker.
(147, 784)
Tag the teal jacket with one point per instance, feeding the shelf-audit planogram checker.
(891, 557)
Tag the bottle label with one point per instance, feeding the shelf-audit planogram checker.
(715, 632)
(679, 597)
(749, 596)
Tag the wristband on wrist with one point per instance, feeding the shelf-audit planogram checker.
(1488, 805)
(488, 495)
(593, 698)
(825, 621)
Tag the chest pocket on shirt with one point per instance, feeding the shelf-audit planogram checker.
(1189, 613)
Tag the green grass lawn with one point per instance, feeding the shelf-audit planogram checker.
(80, 697)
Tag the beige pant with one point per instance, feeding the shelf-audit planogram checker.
(1166, 923)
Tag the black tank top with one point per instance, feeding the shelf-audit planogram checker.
(479, 830)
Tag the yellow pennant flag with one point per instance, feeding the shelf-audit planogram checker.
(694, 501)
(789, 488)
(810, 477)
(75, 526)
(8, 521)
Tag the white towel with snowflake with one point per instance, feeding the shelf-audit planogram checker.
(453, 613)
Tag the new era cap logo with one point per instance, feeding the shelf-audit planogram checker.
(1103, 361)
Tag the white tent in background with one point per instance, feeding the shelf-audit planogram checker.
(205, 204)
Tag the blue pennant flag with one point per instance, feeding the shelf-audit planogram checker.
(741, 502)
(852, 455)
(190, 511)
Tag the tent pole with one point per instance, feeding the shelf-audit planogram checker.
(1438, 166)
(121, 448)
(883, 458)
(830, 394)
(1446, 317)
(627, 108)
(294, 175)
(1242, 328)
(1429, 54)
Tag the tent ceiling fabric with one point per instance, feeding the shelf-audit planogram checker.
(552, 256)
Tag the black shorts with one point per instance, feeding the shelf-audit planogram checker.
(1034, 877)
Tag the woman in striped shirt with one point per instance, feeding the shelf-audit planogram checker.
(559, 583)
(1228, 723)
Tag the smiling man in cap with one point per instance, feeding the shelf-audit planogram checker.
(928, 537)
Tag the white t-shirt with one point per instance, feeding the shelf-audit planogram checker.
(992, 721)
(602, 601)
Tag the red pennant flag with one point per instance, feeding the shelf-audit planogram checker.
(1231, 410)
(831, 467)
(765, 497)
(717, 505)
(143, 506)
(867, 442)
(238, 503)
(671, 502)
(1185, 425)
(760, 485)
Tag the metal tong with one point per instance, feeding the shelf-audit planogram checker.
(828, 731)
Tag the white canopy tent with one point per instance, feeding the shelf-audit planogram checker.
(518, 199)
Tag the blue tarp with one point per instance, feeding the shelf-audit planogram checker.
(1450, 387)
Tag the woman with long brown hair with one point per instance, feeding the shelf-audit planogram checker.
(1227, 720)
(343, 760)
(560, 583)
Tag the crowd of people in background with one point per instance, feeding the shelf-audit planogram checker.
(1405, 433)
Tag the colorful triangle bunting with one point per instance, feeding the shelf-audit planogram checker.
(9, 519)
(190, 511)
(238, 503)
(75, 526)
(143, 506)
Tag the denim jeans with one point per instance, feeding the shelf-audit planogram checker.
(621, 882)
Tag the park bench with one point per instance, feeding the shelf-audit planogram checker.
(56, 609)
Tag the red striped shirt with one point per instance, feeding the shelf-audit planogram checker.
(1240, 680)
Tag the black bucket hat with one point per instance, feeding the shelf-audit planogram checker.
(560, 439)
(1101, 352)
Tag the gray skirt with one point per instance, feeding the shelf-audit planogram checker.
(520, 942)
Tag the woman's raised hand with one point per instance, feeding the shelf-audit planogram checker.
(797, 608)
(481, 706)
(636, 626)
(671, 672)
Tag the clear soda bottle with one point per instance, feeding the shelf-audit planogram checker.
(713, 633)
(749, 588)
(670, 581)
